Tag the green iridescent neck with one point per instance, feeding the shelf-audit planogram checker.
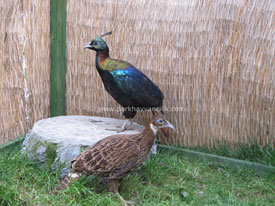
(104, 62)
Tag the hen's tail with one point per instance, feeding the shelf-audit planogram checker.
(66, 181)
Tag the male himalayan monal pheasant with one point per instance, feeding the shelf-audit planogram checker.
(132, 89)
(115, 156)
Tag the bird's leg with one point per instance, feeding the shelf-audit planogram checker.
(127, 125)
(154, 148)
(113, 185)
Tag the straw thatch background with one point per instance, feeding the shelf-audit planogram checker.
(24, 65)
(215, 59)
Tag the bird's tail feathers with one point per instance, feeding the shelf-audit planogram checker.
(65, 182)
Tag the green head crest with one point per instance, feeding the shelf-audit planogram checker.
(98, 43)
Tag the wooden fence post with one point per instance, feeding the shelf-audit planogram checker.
(58, 58)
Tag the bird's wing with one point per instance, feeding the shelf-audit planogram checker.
(110, 156)
(138, 87)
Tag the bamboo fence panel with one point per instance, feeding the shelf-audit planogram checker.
(24, 66)
(213, 60)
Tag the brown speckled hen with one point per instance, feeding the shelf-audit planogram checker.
(115, 156)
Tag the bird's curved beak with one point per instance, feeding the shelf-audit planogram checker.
(88, 46)
(170, 125)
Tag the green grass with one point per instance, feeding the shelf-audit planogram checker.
(253, 152)
(167, 179)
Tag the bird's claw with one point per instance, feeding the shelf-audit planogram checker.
(119, 130)
(127, 125)
(130, 202)
(122, 130)
(126, 202)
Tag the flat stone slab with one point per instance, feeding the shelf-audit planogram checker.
(55, 141)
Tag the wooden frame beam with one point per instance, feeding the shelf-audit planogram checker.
(58, 57)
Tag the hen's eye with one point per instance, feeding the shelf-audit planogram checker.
(160, 121)
(94, 43)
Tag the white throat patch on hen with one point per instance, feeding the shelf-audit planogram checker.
(154, 129)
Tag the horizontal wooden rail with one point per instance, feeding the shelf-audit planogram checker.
(12, 143)
(225, 161)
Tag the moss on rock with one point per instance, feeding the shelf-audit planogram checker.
(50, 153)
(83, 148)
(40, 150)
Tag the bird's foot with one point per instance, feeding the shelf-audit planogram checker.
(127, 125)
(126, 202)
(130, 202)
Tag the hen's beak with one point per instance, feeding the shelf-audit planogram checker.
(88, 46)
(170, 125)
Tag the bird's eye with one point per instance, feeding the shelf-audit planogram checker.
(160, 121)
(94, 43)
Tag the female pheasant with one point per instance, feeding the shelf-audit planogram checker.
(116, 156)
(132, 89)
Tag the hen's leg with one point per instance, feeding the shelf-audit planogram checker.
(113, 187)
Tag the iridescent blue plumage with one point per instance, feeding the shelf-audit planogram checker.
(138, 88)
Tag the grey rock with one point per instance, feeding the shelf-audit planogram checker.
(41, 151)
(56, 141)
(64, 172)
